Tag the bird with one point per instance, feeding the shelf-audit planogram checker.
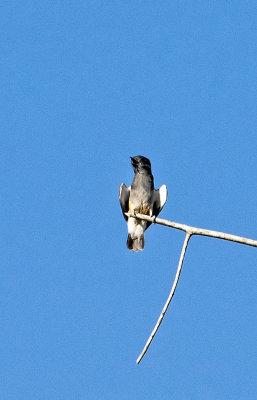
(142, 198)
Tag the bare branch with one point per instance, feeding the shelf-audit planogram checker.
(195, 231)
(190, 230)
(166, 305)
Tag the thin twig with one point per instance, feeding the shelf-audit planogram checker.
(166, 305)
(195, 231)
(190, 230)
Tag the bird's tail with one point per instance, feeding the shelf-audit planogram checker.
(136, 244)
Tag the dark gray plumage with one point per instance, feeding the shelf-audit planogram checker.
(143, 198)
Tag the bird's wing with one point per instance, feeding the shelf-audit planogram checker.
(160, 198)
(124, 198)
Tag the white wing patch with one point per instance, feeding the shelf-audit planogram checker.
(122, 186)
(163, 193)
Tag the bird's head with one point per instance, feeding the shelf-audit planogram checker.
(141, 164)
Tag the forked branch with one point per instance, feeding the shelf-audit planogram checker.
(190, 230)
(195, 231)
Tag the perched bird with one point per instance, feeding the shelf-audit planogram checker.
(142, 198)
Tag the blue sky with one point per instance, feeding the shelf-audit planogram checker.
(85, 85)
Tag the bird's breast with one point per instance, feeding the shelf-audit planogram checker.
(142, 208)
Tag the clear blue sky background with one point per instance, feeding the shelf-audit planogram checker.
(85, 85)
